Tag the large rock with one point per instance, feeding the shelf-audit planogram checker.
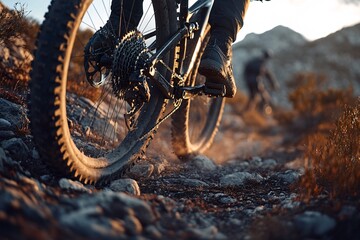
(14, 114)
(16, 148)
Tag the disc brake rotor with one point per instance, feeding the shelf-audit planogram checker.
(98, 54)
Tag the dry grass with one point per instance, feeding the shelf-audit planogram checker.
(334, 160)
(17, 42)
(330, 128)
(17, 37)
(315, 106)
(311, 97)
(10, 23)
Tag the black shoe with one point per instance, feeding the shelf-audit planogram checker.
(217, 67)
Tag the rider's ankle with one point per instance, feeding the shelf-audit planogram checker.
(223, 39)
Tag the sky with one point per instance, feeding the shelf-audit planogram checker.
(312, 18)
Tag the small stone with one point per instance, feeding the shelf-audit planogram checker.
(347, 211)
(259, 208)
(35, 154)
(6, 134)
(227, 200)
(87, 131)
(159, 168)
(256, 160)
(141, 171)
(210, 232)
(244, 164)
(289, 176)
(312, 223)
(234, 221)
(133, 225)
(125, 185)
(269, 163)
(45, 178)
(203, 163)
(240, 178)
(153, 232)
(68, 184)
(71, 123)
(4, 124)
(189, 182)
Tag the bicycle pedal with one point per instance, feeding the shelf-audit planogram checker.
(215, 89)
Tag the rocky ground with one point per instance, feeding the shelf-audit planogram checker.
(244, 187)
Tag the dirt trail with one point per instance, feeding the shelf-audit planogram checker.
(241, 188)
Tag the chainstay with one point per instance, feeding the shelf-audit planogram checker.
(177, 105)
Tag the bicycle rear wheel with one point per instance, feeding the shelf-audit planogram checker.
(81, 130)
(195, 123)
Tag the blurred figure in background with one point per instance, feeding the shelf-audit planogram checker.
(255, 73)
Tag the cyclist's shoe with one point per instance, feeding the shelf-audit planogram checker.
(216, 64)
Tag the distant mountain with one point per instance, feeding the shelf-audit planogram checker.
(336, 56)
(276, 39)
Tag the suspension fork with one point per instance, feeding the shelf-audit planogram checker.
(193, 22)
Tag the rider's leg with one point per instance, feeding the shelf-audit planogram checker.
(253, 91)
(226, 19)
(125, 15)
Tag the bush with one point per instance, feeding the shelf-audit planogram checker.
(311, 97)
(315, 105)
(334, 160)
(17, 38)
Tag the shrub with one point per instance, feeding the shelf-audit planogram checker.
(334, 160)
(17, 37)
(311, 97)
(315, 105)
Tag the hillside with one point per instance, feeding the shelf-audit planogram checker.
(336, 57)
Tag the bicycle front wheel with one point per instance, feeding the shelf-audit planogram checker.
(195, 123)
(93, 134)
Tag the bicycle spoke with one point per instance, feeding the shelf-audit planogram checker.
(105, 8)
(98, 14)
(145, 15)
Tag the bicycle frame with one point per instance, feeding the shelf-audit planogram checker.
(193, 23)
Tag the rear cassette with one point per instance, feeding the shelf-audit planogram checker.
(130, 57)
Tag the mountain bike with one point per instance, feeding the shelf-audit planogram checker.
(93, 113)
